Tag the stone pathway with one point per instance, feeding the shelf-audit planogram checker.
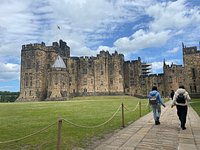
(144, 135)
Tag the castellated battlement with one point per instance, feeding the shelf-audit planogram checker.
(190, 50)
(33, 46)
(107, 54)
(104, 52)
(62, 44)
(173, 66)
(55, 44)
(86, 58)
(115, 53)
(60, 48)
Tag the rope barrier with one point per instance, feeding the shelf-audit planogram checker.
(133, 109)
(27, 136)
(81, 126)
(146, 104)
(96, 126)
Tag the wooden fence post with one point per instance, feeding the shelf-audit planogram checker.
(123, 116)
(59, 134)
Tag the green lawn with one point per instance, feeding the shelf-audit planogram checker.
(21, 119)
(195, 103)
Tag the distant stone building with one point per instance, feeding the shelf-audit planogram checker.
(50, 73)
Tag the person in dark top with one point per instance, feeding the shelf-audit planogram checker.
(172, 95)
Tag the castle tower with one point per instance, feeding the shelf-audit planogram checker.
(64, 50)
(191, 72)
(58, 81)
(173, 77)
(86, 84)
(116, 74)
(36, 60)
(101, 66)
(73, 69)
(33, 72)
(132, 77)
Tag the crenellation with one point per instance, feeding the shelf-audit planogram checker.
(55, 44)
(189, 50)
(23, 47)
(62, 44)
(33, 47)
(29, 45)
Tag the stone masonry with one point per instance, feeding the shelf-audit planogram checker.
(50, 73)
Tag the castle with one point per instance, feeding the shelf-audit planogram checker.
(50, 73)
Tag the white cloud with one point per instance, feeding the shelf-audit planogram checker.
(142, 39)
(157, 67)
(173, 15)
(170, 20)
(93, 21)
(89, 23)
(9, 72)
(16, 26)
(174, 50)
(10, 49)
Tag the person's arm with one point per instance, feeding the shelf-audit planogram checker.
(160, 99)
(187, 96)
(174, 99)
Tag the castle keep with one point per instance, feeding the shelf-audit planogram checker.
(50, 73)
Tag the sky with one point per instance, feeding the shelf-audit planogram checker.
(151, 29)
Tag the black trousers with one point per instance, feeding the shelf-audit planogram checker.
(182, 114)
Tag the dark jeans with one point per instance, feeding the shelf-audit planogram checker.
(182, 114)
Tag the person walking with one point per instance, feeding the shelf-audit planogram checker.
(171, 94)
(180, 99)
(156, 101)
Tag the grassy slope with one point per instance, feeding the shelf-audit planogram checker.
(195, 103)
(20, 119)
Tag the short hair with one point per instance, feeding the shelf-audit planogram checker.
(181, 87)
(154, 88)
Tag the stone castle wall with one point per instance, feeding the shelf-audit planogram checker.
(105, 74)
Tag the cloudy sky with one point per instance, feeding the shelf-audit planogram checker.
(151, 29)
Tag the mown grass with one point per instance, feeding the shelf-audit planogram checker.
(195, 103)
(21, 119)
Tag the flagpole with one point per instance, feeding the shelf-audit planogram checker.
(57, 32)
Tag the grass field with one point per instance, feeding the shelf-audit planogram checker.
(21, 119)
(195, 103)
